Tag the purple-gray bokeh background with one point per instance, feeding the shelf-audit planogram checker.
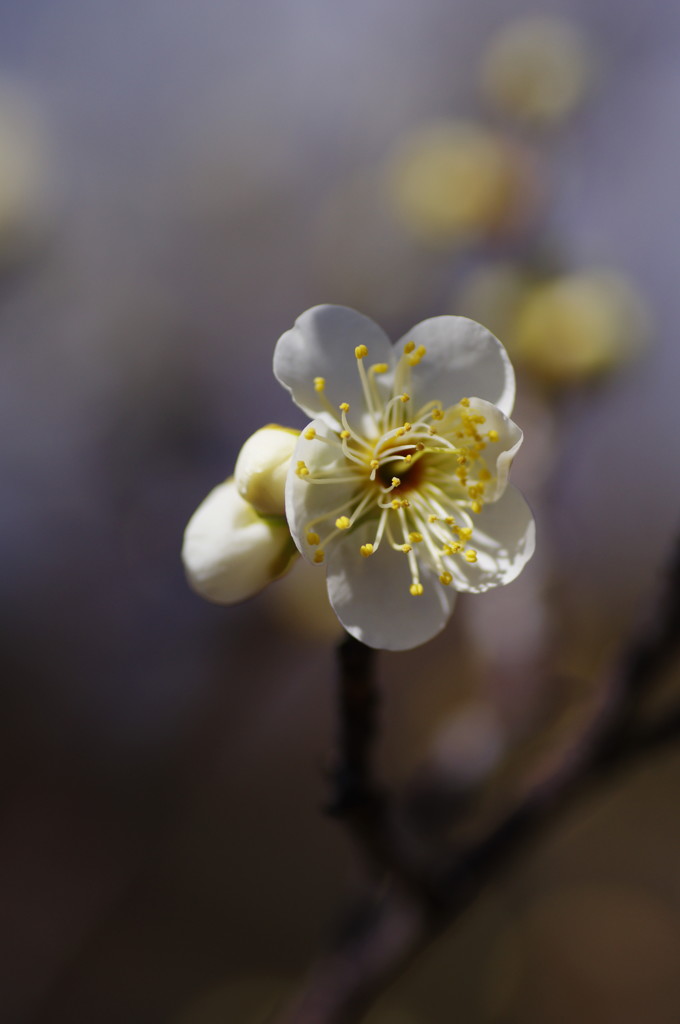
(163, 858)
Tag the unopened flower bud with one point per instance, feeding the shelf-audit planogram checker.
(230, 552)
(262, 467)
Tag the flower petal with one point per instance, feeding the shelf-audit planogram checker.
(371, 595)
(322, 344)
(307, 501)
(229, 551)
(463, 359)
(504, 539)
(498, 454)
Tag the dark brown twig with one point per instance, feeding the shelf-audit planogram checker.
(352, 776)
(428, 893)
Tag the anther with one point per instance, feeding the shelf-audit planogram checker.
(310, 433)
(415, 537)
(375, 463)
(366, 550)
(465, 532)
(344, 406)
(405, 397)
(471, 556)
(437, 414)
(344, 434)
(319, 556)
(301, 470)
(446, 578)
(465, 402)
(360, 351)
(319, 384)
(409, 347)
(313, 538)
(415, 589)
(432, 519)
(379, 368)
(406, 548)
(396, 481)
(476, 507)
(493, 435)
(343, 523)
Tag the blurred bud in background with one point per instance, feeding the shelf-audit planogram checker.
(230, 552)
(299, 605)
(262, 468)
(579, 325)
(565, 328)
(24, 178)
(452, 182)
(538, 70)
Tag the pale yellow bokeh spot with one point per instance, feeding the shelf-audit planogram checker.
(538, 69)
(452, 180)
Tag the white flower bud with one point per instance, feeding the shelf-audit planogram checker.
(262, 467)
(230, 552)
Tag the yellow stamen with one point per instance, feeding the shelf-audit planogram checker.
(471, 556)
(319, 384)
(493, 435)
(406, 548)
(396, 481)
(416, 589)
(343, 523)
(313, 538)
(301, 470)
(310, 433)
(319, 556)
(360, 351)
(375, 463)
(409, 347)
(476, 507)
(415, 537)
(366, 550)
(465, 532)
(465, 402)
(344, 434)
(446, 578)
(379, 368)
(344, 406)
(405, 397)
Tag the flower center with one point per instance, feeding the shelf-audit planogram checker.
(419, 480)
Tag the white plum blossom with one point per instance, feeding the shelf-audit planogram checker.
(399, 485)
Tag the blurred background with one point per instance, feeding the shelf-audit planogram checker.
(178, 181)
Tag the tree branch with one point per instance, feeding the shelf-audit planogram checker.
(427, 890)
